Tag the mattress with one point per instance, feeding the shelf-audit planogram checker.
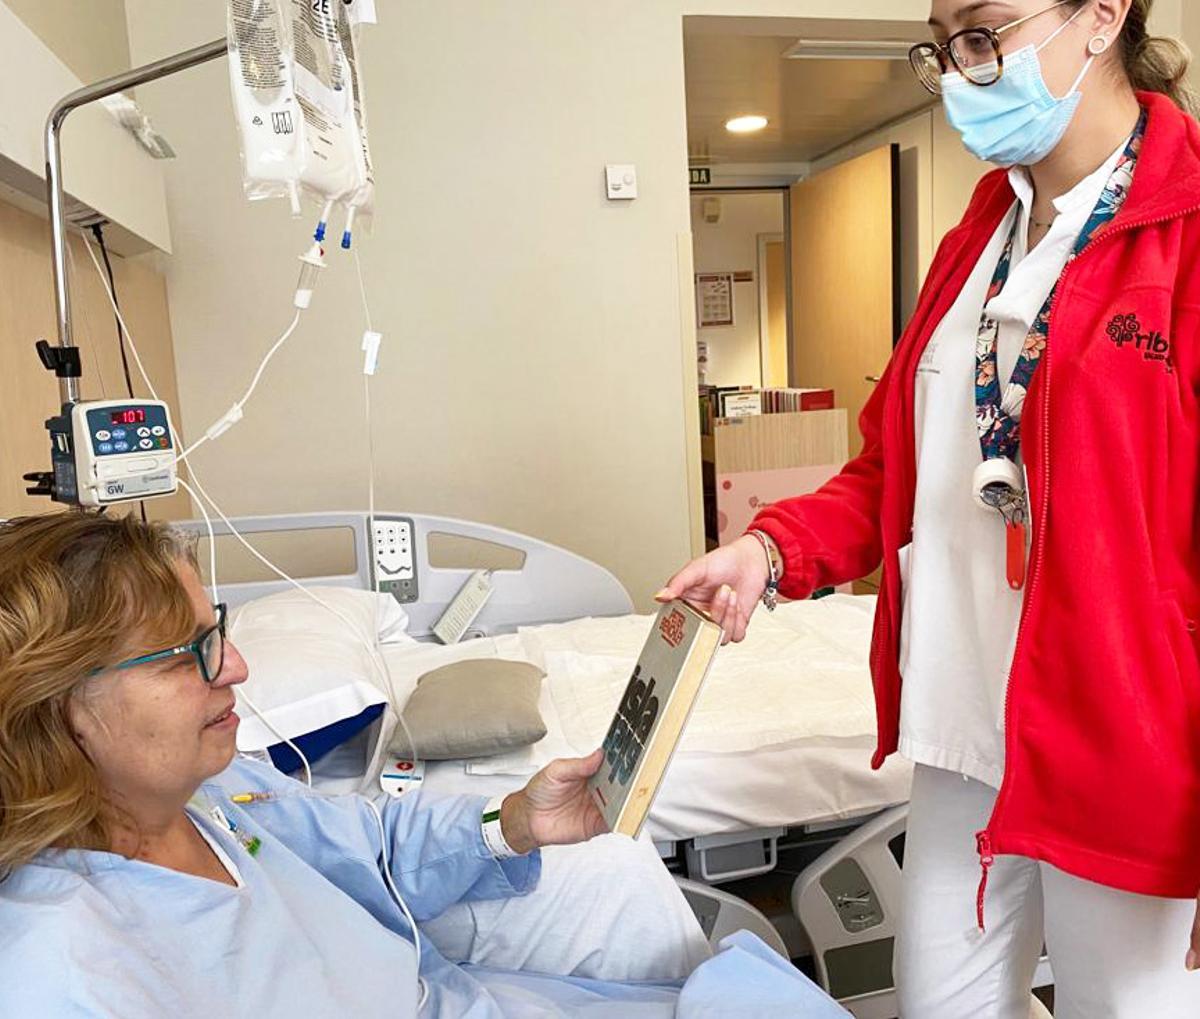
(782, 734)
(810, 782)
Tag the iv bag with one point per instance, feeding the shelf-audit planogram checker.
(362, 200)
(333, 167)
(270, 122)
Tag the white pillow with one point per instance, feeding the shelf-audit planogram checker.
(295, 610)
(309, 667)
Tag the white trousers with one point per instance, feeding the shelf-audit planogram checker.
(1115, 955)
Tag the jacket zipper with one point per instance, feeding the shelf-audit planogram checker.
(984, 838)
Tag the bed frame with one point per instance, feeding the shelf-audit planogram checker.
(550, 585)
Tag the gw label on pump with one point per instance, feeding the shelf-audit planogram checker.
(137, 486)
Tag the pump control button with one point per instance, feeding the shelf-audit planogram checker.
(158, 430)
(103, 435)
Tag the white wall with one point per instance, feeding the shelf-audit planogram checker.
(539, 368)
(103, 166)
(90, 38)
(734, 352)
(533, 370)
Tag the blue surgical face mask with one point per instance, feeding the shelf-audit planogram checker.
(1015, 121)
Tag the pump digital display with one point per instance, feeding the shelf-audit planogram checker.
(133, 416)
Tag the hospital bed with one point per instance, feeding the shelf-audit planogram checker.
(777, 751)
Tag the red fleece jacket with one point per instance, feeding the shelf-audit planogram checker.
(1102, 775)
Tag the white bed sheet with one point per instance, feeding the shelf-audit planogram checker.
(715, 794)
(783, 734)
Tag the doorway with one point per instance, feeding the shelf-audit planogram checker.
(801, 270)
(738, 241)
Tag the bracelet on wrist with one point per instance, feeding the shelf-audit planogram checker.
(770, 596)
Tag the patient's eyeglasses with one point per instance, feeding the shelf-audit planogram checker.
(208, 649)
(974, 52)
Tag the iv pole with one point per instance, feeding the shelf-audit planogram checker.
(69, 384)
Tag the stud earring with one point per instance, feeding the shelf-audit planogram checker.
(1098, 45)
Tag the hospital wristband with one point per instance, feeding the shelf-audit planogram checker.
(493, 833)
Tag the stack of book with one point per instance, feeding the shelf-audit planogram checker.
(717, 402)
(792, 401)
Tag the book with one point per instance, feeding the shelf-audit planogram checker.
(652, 713)
(791, 401)
(741, 405)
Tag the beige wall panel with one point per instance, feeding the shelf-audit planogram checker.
(29, 393)
(842, 282)
(1190, 31)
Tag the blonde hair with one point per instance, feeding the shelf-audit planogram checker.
(78, 591)
(1155, 63)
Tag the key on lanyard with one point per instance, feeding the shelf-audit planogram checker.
(1010, 504)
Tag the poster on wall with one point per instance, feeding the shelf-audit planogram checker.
(714, 298)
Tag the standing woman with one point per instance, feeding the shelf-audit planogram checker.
(1029, 479)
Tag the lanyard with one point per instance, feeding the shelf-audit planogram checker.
(998, 412)
(998, 409)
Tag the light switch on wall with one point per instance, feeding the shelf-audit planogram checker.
(622, 181)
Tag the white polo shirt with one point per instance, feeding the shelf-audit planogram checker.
(960, 616)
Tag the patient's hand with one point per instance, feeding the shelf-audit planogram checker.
(554, 809)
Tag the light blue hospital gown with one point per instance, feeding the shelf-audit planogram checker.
(313, 932)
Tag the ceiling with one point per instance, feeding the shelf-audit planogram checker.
(813, 106)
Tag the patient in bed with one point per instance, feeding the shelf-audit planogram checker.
(146, 872)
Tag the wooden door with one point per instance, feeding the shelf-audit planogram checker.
(844, 287)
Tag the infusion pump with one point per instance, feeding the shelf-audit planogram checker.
(111, 451)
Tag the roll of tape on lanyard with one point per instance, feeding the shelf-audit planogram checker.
(1000, 472)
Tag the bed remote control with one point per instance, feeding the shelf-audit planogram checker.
(393, 566)
(466, 606)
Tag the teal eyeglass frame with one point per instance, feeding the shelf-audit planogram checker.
(196, 648)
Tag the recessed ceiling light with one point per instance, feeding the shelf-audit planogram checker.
(746, 125)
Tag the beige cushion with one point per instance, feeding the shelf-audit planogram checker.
(475, 708)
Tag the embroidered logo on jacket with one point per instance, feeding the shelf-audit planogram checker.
(1126, 330)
